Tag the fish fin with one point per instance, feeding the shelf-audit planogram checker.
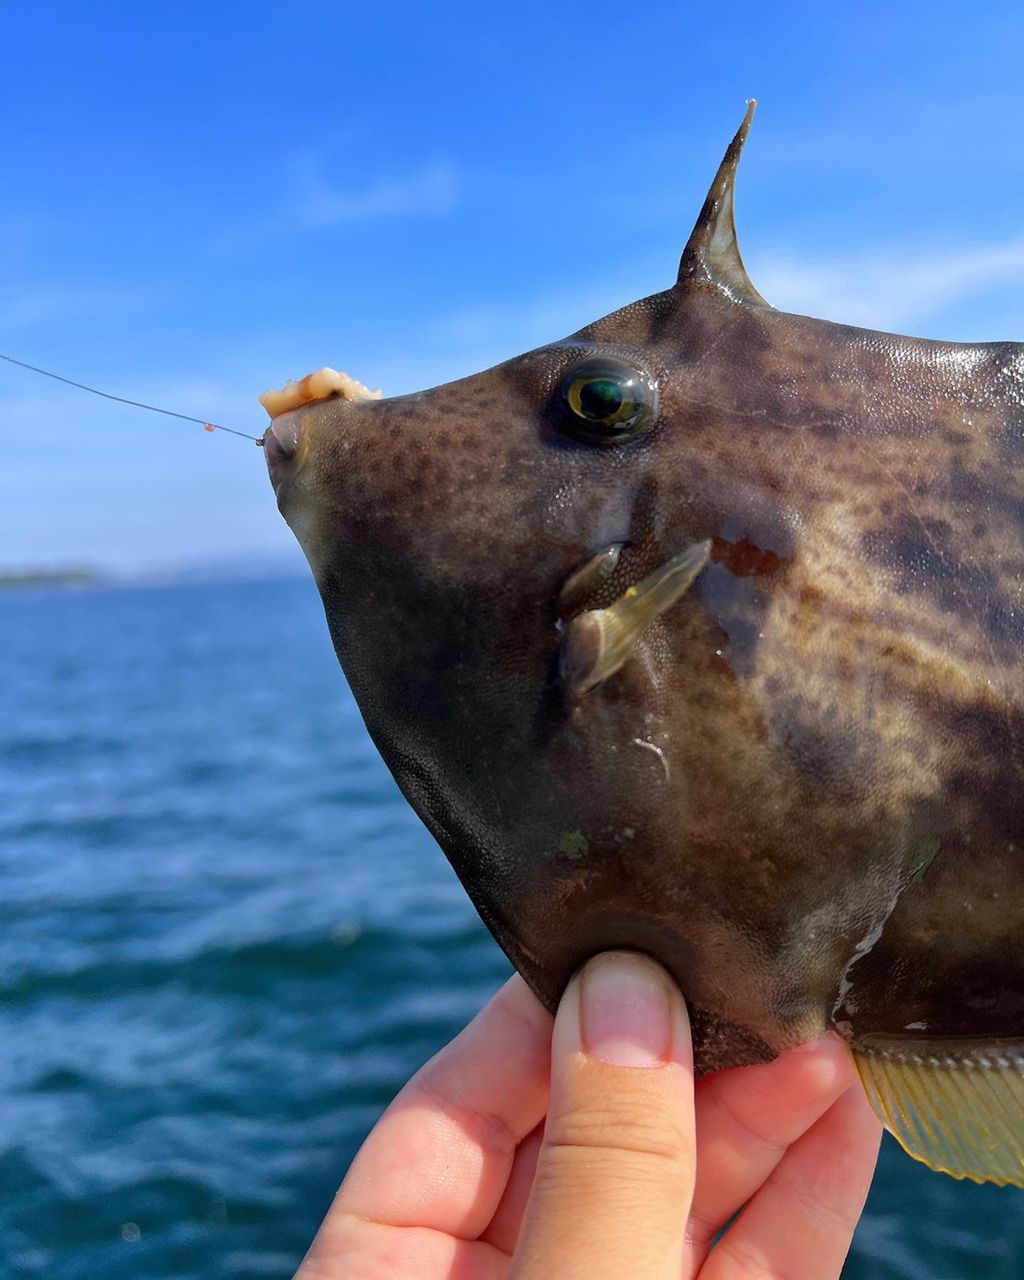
(587, 578)
(712, 253)
(598, 642)
(955, 1106)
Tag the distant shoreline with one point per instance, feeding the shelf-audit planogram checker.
(242, 567)
(16, 580)
(12, 582)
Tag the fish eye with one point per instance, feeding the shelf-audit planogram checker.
(608, 401)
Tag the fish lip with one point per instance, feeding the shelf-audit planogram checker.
(281, 442)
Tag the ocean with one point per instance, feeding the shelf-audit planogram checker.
(225, 943)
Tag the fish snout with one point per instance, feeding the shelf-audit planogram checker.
(285, 440)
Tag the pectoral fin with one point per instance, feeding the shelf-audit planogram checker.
(598, 642)
(957, 1107)
(587, 578)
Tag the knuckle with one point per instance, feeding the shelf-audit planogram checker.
(624, 1165)
(755, 1130)
(485, 1128)
(627, 1131)
(744, 1262)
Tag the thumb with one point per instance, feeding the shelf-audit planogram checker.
(615, 1174)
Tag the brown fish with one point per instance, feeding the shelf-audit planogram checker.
(701, 632)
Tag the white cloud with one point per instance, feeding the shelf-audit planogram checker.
(311, 200)
(433, 191)
(891, 290)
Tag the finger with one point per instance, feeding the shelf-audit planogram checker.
(368, 1251)
(800, 1224)
(615, 1171)
(439, 1157)
(503, 1230)
(746, 1120)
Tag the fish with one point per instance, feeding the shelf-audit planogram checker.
(700, 632)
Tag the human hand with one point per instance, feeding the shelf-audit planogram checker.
(634, 1172)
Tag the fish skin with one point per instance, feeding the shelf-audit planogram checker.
(803, 793)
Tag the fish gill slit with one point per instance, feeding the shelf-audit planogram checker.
(663, 759)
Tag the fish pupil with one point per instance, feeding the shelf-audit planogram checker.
(601, 398)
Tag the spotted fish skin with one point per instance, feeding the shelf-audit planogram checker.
(803, 793)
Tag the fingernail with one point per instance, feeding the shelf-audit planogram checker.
(625, 1018)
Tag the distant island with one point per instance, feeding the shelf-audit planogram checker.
(247, 566)
(14, 579)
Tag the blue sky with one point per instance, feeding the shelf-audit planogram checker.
(201, 200)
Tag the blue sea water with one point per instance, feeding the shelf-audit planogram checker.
(225, 942)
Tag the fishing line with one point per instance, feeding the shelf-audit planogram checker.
(207, 426)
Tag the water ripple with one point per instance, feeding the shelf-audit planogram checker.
(225, 943)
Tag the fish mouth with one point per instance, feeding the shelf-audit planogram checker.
(282, 443)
